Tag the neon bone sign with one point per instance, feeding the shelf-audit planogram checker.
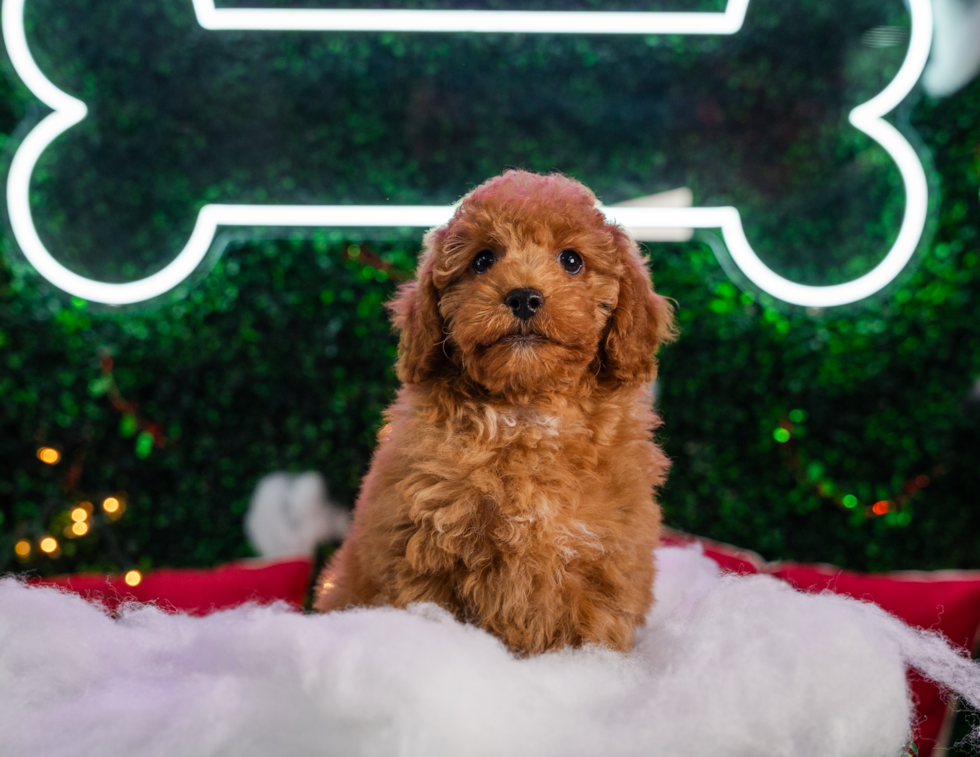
(69, 111)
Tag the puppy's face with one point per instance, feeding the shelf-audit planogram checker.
(526, 296)
(529, 290)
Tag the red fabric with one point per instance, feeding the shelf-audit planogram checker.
(944, 601)
(199, 592)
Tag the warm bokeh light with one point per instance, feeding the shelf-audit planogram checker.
(49, 544)
(79, 514)
(80, 528)
(48, 455)
(110, 505)
(22, 548)
(880, 508)
(133, 577)
(922, 481)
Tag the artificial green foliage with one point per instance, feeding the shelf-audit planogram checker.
(786, 426)
(876, 397)
(280, 359)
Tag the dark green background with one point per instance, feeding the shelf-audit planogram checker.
(280, 357)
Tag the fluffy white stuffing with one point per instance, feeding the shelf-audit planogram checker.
(725, 666)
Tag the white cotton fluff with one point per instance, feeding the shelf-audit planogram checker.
(726, 666)
(290, 514)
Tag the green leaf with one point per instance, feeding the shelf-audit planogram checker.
(144, 445)
(128, 426)
(97, 387)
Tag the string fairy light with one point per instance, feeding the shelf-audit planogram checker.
(113, 507)
(80, 518)
(149, 434)
(827, 489)
(48, 455)
(49, 545)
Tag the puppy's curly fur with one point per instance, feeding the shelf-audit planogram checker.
(514, 480)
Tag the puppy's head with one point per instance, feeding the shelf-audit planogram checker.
(529, 290)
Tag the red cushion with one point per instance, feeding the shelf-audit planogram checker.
(945, 601)
(199, 592)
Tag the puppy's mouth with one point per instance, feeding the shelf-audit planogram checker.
(520, 338)
(517, 339)
(528, 340)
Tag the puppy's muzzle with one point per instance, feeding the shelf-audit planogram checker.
(524, 303)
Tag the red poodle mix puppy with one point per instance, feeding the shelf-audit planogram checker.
(514, 481)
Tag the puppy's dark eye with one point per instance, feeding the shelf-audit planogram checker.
(483, 260)
(571, 260)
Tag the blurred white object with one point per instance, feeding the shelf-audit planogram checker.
(955, 58)
(291, 513)
(675, 198)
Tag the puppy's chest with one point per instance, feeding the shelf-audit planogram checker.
(534, 455)
(520, 486)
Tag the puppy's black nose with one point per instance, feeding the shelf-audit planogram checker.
(524, 302)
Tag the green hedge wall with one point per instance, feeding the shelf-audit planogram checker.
(785, 426)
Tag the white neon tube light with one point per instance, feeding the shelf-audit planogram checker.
(69, 111)
(482, 22)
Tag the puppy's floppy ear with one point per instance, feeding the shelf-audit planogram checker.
(415, 313)
(641, 321)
